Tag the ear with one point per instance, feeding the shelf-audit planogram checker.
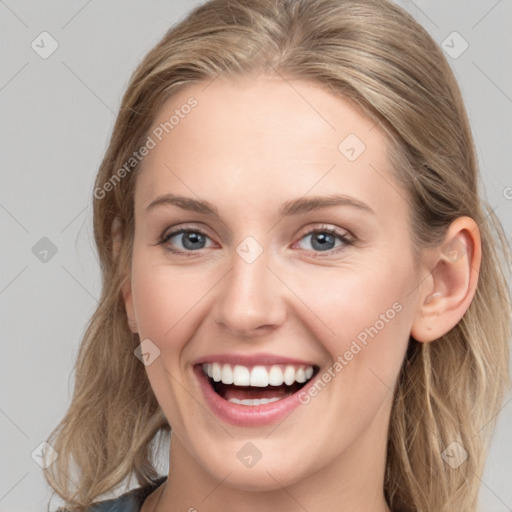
(451, 286)
(126, 289)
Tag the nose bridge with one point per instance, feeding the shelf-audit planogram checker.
(249, 298)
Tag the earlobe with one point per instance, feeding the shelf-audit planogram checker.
(448, 293)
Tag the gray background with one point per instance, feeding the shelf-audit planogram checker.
(57, 115)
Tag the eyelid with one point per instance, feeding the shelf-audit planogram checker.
(180, 229)
(343, 234)
(173, 230)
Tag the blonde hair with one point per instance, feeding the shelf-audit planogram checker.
(374, 54)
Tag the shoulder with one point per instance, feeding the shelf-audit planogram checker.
(129, 502)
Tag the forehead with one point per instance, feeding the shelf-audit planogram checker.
(269, 137)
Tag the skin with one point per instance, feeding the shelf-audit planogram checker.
(247, 148)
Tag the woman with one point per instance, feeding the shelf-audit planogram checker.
(299, 276)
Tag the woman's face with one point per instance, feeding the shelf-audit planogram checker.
(305, 270)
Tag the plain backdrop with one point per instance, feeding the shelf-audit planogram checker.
(56, 117)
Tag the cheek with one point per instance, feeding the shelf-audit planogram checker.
(371, 322)
(164, 299)
(364, 315)
(166, 311)
(156, 306)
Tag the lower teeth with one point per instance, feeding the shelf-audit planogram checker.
(255, 401)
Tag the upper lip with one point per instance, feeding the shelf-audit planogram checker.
(252, 360)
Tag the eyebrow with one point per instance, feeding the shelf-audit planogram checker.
(292, 207)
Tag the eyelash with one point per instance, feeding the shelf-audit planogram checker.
(323, 229)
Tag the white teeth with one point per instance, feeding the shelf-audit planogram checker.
(300, 375)
(275, 376)
(241, 376)
(255, 401)
(257, 376)
(227, 374)
(289, 375)
(217, 372)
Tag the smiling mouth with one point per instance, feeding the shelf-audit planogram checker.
(257, 385)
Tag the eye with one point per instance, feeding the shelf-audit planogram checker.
(191, 240)
(187, 241)
(324, 239)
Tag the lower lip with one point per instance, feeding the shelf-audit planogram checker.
(248, 415)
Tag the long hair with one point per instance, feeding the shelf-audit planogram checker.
(376, 56)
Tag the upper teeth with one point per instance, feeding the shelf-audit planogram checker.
(259, 376)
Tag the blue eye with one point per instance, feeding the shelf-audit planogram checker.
(322, 240)
(191, 240)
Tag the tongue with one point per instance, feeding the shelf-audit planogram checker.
(228, 391)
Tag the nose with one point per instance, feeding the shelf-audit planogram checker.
(249, 302)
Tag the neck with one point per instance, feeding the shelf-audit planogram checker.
(353, 481)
